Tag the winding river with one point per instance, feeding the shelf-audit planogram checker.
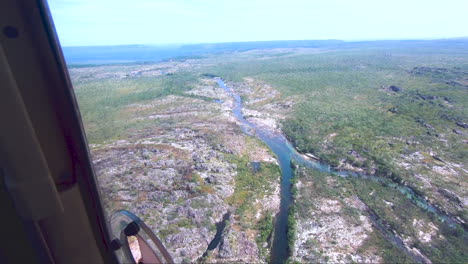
(285, 152)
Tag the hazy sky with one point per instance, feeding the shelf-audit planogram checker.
(116, 22)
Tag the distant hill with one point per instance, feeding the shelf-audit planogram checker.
(152, 53)
(138, 53)
(243, 46)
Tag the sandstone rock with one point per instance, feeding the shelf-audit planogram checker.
(461, 124)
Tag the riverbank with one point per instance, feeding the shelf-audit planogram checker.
(181, 163)
(369, 226)
(353, 219)
(167, 143)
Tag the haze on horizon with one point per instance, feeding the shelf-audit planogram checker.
(121, 22)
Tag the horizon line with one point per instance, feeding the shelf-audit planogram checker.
(224, 42)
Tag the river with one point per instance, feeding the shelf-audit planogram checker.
(285, 152)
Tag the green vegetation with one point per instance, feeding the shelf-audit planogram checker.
(168, 230)
(265, 231)
(201, 186)
(346, 110)
(251, 185)
(292, 226)
(390, 253)
(370, 106)
(337, 188)
(401, 217)
(343, 94)
(265, 226)
(292, 214)
(103, 102)
(397, 211)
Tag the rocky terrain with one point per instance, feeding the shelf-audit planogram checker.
(180, 161)
(335, 225)
(342, 220)
(332, 226)
(180, 175)
(262, 104)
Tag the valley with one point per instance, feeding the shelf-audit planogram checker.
(201, 149)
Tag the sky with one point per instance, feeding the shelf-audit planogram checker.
(123, 22)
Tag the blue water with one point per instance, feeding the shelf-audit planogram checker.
(285, 152)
